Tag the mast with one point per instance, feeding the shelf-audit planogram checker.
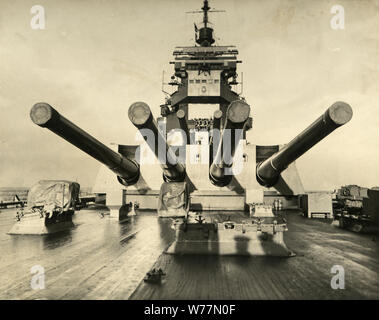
(205, 9)
(204, 36)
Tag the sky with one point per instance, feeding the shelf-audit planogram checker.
(95, 57)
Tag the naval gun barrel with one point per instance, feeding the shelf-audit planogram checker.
(140, 115)
(181, 115)
(46, 116)
(236, 116)
(336, 115)
(217, 115)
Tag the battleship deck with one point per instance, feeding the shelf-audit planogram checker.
(102, 258)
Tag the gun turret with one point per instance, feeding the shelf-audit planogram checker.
(236, 115)
(269, 170)
(46, 116)
(140, 115)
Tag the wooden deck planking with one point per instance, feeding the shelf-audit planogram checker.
(93, 262)
(318, 245)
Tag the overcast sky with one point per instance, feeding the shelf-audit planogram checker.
(95, 58)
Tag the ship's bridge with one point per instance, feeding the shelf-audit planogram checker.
(206, 76)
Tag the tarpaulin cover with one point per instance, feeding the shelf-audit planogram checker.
(53, 194)
(173, 199)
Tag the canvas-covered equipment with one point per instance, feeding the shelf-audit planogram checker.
(51, 205)
(54, 194)
(173, 199)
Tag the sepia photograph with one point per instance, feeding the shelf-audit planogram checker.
(189, 150)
